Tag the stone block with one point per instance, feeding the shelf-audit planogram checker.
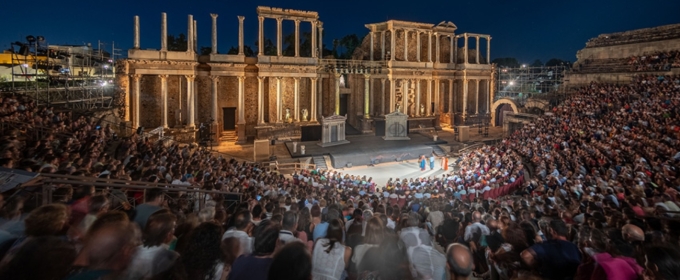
(463, 133)
(261, 150)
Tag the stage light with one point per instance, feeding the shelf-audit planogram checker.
(512, 83)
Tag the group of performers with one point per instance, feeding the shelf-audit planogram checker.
(424, 160)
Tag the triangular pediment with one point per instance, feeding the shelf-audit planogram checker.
(396, 113)
(334, 118)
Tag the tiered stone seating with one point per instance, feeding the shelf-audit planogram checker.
(665, 32)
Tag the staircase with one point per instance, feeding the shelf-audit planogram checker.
(438, 151)
(320, 162)
(228, 136)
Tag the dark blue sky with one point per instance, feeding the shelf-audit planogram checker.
(525, 29)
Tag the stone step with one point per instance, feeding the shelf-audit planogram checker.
(438, 151)
(320, 162)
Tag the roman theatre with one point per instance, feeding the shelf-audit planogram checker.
(427, 71)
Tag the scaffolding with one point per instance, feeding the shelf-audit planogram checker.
(70, 77)
(525, 82)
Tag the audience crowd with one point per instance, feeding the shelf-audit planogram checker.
(661, 61)
(594, 196)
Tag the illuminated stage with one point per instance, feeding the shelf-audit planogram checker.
(368, 149)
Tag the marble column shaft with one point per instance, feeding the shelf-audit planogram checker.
(240, 34)
(297, 42)
(465, 96)
(405, 45)
(138, 104)
(241, 101)
(319, 102)
(429, 47)
(393, 45)
(190, 100)
(136, 33)
(164, 99)
(404, 94)
(190, 33)
(320, 46)
(260, 100)
(312, 100)
(451, 95)
(260, 36)
(437, 56)
(418, 103)
(465, 50)
(367, 93)
(488, 95)
(278, 100)
(337, 93)
(279, 40)
(477, 47)
(213, 108)
(428, 106)
(393, 99)
(418, 46)
(315, 47)
(382, 97)
(488, 50)
(477, 97)
(382, 35)
(296, 99)
(451, 39)
(371, 33)
(214, 34)
(164, 32)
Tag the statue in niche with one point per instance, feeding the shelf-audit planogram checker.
(304, 115)
(422, 110)
(398, 107)
(342, 81)
(287, 118)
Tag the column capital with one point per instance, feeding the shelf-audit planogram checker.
(382, 80)
(279, 19)
(215, 78)
(260, 78)
(337, 75)
(241, 18)
(367, 76)
(213, 15)
(296, 78)
(190, 77)
(136, 76)
(260, 18)
(297, 21)
(163, 76)
(319, 24)
(314, 79)
(278, 78)
(241, 78)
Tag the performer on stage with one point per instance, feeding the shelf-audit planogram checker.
(445, 163)
(422, 161)
(432, 161)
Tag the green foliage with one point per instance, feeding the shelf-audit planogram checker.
(506, 62)
(205, 50)
(178, 43)
(557, 62)
(537, 63)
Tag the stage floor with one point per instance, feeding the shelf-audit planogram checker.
(368, 149)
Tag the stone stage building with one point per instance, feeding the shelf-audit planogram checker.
(427, 71)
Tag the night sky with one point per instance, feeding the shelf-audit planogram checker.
(525, 29)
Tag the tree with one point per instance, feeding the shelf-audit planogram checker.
(557, 62)
(506, 62)
(348, 43)
(537, 63)
(269, 47)
(205, 50)
(178, 43)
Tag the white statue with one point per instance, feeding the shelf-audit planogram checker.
(398, 107)
(342, 81)
(304, 115)
(287, 117)
(422, 109)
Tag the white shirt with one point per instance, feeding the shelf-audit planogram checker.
(245, 240)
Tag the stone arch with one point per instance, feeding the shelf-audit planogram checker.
(540, 104)
(499, 102)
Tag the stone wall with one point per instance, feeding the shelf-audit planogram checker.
(362, 52)
(628, 50)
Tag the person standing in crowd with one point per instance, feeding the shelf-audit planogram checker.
(459, 262)
(331, 257)
(240, 230)
(292, 262)
(255, 266)
(153, 256)
(555, 258)
(289, 225)
(154, 198)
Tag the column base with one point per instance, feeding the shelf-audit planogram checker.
(241, 134)
(366, 125)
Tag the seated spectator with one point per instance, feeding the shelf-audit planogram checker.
(331, 257)
(153, 256)
(459, 262)
(255, 266)
(556, 258)
(292, 262)
(109, 252)
(45, 257)
(288, 227)
(154, 202)
(200, 257)
(241, 229)
(99, 204)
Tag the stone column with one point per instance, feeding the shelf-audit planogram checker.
(451, 96)
(314, 45)
(371, 35)
(465, 95)
(405, 89)
(429, 47)
(195, 43)
(382, 97)
(382, 35)
(136, 32)
(488, 95)
(337, 93)
(393, 32)
(428, 106)
(296, 99)
(405, 45)
(418, 46)
(164, 32)
(260, 100)
(164, 98)
(214, 34)
(260, 36)
(190, 100)
(278, 100)
(392, 95)
(320, 40)
(312, 101)
(241, 101)
(135, 119)
(367, 93)
(240, 34)
(477, 56)
(477, 97)
(437, 89)
(455, 50)
(417, 107)
(488, 50)
(297, 41)
(319, 102)
(451, 38)
(465, 49)
(436, 49)
(190, 33)
(279, 40)
(213, 108)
